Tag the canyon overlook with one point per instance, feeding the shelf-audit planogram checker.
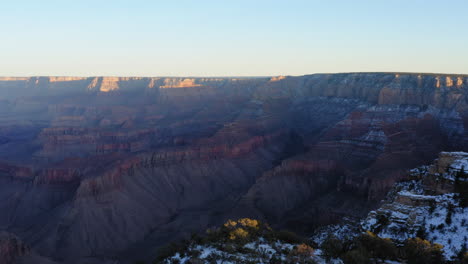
(94, 169)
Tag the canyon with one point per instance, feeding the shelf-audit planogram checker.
(108, 169)
(427, 208)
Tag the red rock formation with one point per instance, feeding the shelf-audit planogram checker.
(15, 171)
(58, 176)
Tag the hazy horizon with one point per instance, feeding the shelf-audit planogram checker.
(233, 39)
(241, 76)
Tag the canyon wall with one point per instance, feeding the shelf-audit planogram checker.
(99, 168)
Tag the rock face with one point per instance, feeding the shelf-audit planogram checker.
(97, 168)
(11, 248)
(427, 205)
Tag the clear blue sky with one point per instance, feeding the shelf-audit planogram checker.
(231, 38)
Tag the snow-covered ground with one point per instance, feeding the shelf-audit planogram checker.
(347, 230)
(259, 251)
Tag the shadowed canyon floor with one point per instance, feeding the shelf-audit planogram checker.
(99, 169)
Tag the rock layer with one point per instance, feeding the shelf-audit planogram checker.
(98, 168)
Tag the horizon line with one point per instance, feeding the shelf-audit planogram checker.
(238, 76)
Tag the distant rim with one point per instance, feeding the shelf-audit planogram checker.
(241, 77)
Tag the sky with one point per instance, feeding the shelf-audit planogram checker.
(231, 38)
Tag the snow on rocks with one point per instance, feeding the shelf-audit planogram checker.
(259, 251)
(426, 206)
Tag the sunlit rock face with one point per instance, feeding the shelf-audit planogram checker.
(103, 167)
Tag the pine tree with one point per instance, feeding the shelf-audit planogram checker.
(421, 233)
(448, 217)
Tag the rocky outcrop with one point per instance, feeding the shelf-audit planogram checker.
(426, 205)
(16, 171)
(11, 248)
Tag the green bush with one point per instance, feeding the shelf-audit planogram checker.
(381, 248)
(357, 256)
(448, 217)
(288, 237)
(332, 247)
(421, 233)
(461, 187)
(419, 251)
